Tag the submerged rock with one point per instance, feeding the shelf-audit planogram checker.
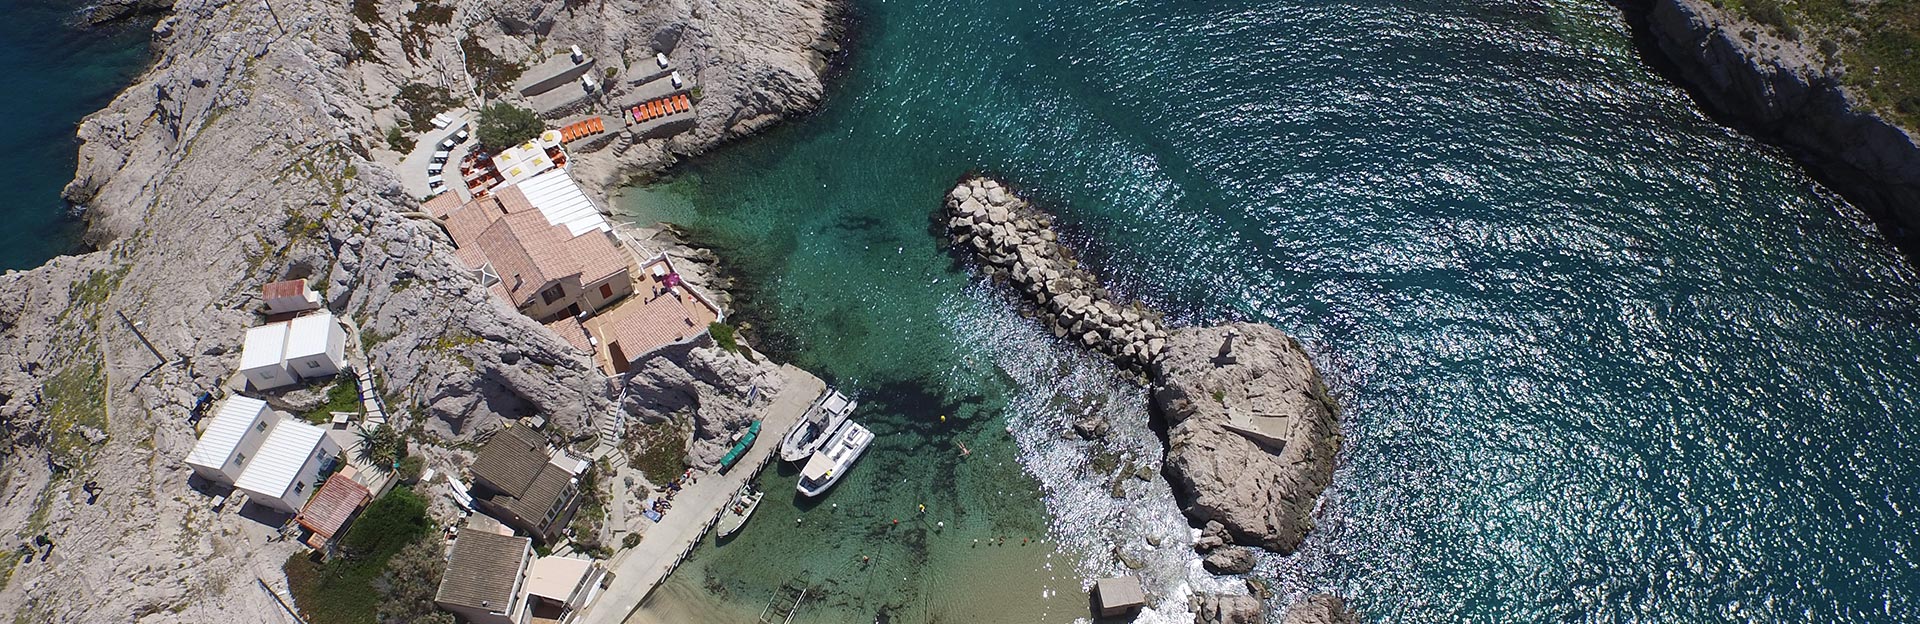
(1320, 609)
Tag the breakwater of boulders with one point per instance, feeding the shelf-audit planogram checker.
(1015, 240)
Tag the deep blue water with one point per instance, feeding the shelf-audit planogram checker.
(56, 73)
(1602, 359)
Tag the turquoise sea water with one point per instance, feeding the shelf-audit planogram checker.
(56, 73)
(1603, 360)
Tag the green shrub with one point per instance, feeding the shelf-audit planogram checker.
(342, 396)
(504, 125)
(658, 450)
(723, 335)
(630, 541)
(410, 469)
(421, 102)
(492, 72)
(343, 590)
(411, 579)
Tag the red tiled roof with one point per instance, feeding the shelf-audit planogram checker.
(526, 251)
(287, 289)
(650, 318)
(569, 329)
(332, 505)
(441, 205)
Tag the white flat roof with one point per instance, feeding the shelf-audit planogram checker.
(230, 424)
(562, 202)
(278, 463)
(308, 334)
(556, 577)
(263, 346)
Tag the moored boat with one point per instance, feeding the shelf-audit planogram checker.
(819, 423)
(830, 462)
(739, 510)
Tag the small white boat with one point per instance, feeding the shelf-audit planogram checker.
(827, 464)
(737, 512)
(821, 420)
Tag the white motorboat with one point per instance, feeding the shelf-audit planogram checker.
(821, 420)
(827, 464)
(737, 512)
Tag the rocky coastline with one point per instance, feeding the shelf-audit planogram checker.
(1017, 242)
(1784, 92)
(1252, 433)
(249, 152)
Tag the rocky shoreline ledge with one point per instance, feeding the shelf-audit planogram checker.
(1780, 91)
(1252, 434)
(251, 151)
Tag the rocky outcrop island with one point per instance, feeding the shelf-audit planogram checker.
(1252, 433)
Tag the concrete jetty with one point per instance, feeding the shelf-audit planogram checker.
(638, 570)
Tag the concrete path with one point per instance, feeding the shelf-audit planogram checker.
(637, 570)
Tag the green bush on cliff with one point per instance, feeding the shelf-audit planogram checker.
(504, 125)
(1879, 42)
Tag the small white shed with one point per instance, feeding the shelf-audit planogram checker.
(260, 357)
(286, 471)
(316, 346)
(233, 437)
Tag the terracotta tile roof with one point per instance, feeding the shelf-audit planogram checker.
(441, 205)
(483, 570)
(569, 329)
(332, 505)
(284, 290)
(649, 319)
(510, 460)
(526, 251)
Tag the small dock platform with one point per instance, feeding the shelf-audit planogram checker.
(637, 571)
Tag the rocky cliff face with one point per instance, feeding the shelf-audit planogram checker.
(1262, 495)
(1781, 92)
(250, 152)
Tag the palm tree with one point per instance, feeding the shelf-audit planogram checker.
(381, 447)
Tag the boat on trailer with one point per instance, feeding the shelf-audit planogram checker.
(829, 463)
(819, 423)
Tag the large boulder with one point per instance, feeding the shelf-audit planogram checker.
(1229, 560)
(1261, 491)
(1227, 609)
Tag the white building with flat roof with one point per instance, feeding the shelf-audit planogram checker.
(286, 470)
(316, 346)
(232, 438)
(260, 357)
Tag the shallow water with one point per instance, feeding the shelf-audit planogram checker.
(1602, 360)
(57, 72)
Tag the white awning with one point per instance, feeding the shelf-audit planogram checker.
(817, 468)
(562, 202)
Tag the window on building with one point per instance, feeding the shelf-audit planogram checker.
(239, 459)
(553, 294)
(260, 426)
(299, 486)
(606, 291)
(312, 364)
